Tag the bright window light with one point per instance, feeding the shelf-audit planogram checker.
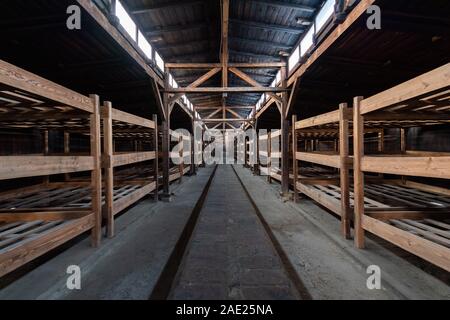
(324, 14)
(294, 58)
(144, 45)
(159, 61)
(307, 41)
(125, 20)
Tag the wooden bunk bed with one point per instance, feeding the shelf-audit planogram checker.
(421, 225)
(326, 187)
(132, 184)
(37, 219)
(272, 169)
(179, 169)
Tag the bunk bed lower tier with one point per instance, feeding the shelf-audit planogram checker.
(37, 219)
(411, 215)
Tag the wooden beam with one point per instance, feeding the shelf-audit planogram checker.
(204, 77)
(358, 174)
(353, 16)
(108, 168)
(165, 6)
(344, 170)
(225, 90)
(193, 65)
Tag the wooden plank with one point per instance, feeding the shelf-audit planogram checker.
(326, 118)
(426, 249)
(263, 65)
(329, 160)
(108, 167)
(125, 202)
(358, 174)
(327, 201)
(43, 215)
(29, 166)
(434, 80)
(294, 158)
(433, 167)
(131, 119)
(132, 157)
(344, 169)
(193, 65)
(16, 256)
(96, 173)
(28, 82)
(224, 90)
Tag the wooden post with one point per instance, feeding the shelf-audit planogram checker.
(166, 139)
(108, 167)
(294, 157)
(381, 146)
(269, 156)
(66, 151)
(46, 152)
(344, 171)
(358, 145)
(284, 137)
(156, 161)
(403, 147)
(96, 174)
(181, 152)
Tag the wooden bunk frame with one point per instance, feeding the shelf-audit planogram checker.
(418, 102)
(29, 101)
(177, 172)
(334, 124)
(272, 173)
(124, 192)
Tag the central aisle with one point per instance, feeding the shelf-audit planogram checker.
(230, 256)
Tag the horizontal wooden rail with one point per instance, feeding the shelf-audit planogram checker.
(131, 119)
(132, 157)
(433, 167)
(23, 80)
(326, 118)
(29, 166)
(329, 160)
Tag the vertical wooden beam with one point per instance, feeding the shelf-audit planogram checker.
(181, 153)
(381, 146)
(256, 166)
(224, 54)
(96, 174)
(46, 152)
(284, 137)
(294, 157)
(358, 145)
(269, 156)
(156, 161)
(166, 138)
(66, 150)
(108, 167)
(344, 170)
(403, 147)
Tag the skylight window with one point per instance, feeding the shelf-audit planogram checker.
(294, 58)
(307, 41)
(324, 14)
(144, 45)
(126, 21)
(159, 61)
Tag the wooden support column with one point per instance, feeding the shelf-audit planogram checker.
(256, 165)
(108, 167)
(284, 137)
(66, 151)
(166, 138)
(46, 152)
(181, 153)
(294, 157)
(358, 146)
(381, 146)
(269, 156)
(344, 170)
(403, 147)
(96, 174)
(156, 161)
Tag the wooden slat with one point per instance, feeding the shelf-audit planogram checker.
(16, 256)
(28, 82)
(329, 160)
(427, 83)
(128, 158)
(43, 215)
(133, 197)
(433, 167)
(131, 119)
(426, 249)
(29, 166)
